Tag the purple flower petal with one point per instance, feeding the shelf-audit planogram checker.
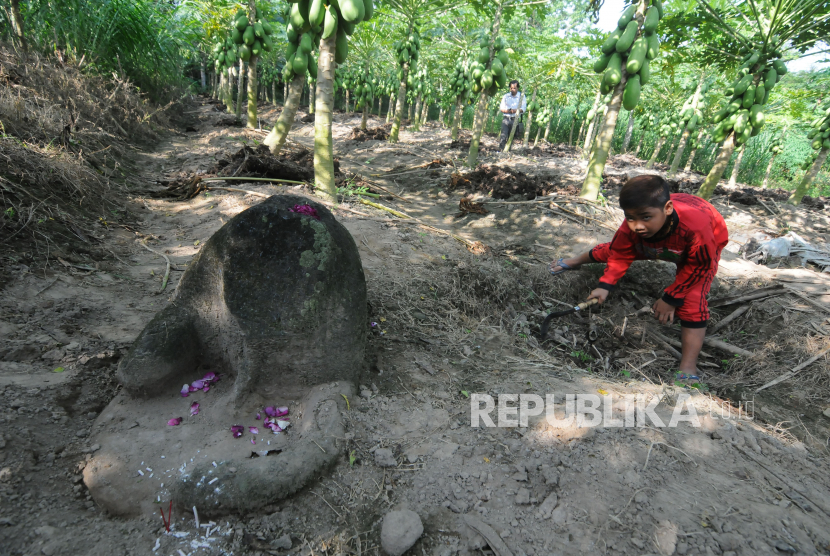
(206, 388)
(174, 422)
(308, 210)
(194, 409)
(253, 430)
(272, 411)
(209, 377)
(258, 416)
(197, 385)
(237, 430)
(185, 390)
(253, 441)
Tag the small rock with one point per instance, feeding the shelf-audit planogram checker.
(637, 543)
(682, 549)
(282, 543)
(53, 355)
(7, 521)
(523, 497)
(827, 412)
(547, 506)
(666, 537)
(2, 442)
(366, 394)
(551, 476)
(80, 433)
(16, 404)
(504, 534)
(559, 516)
(94, 447)
(641, 498)
(385, 458)
(400, 530)
(521, 476)
(730, 541)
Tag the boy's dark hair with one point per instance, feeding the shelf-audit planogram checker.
(645, 191)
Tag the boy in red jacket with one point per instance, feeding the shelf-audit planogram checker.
(680, 228)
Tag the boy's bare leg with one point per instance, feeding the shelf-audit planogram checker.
(573, 262)
(692, 342)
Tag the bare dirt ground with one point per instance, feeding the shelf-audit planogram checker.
(449, 323)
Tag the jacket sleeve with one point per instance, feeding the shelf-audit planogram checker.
(698, 270)
(622, 254)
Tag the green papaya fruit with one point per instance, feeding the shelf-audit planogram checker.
(653, 47)
(291, 34)
(501, 79)
(477, 73)
(295, 17)
(826, 144)
(604, 87)
(627, 38)
(611, 42)
(267, 43)
(743, 84)
(316, 12)
(601, 63)
(645, 73)
(627, 16)
(631, 95)
(248, 36)
(300, 62)
(497, 66)
(760, 92)
(352, 11)
(487, 80)
(267, 28)
(289, 52)
(743, 137)
(368, 9)
(329, 23)
(613, 73)
(637, 55)
(659, 5)
(241, 23)
(304, 7)
(749, 97)
(256, 49)
(692, 123)
(258, 30)
(341, 49)
(500, 44)
(306, 44)
(236, 36)
(770, 78)
(484, 42)
(590, 115)
(312, 67)
(721, 114)
(756, 116)
(503, 57)
(484, 55)
(780, 67)
(651, 21)
(347, 26)
(245, 52)
(729, 122)
(741, 121)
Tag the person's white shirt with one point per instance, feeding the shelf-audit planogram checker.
(510, 102)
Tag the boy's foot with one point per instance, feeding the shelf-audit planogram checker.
(563, 265)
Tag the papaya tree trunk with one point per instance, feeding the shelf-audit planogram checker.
(640, 144)
(571, 134)
(390, 112)
(416, 117)
(324, 101)
(276, 139)
(628, 132)
(229, 86)
(365, 117)
(693, 153)
(215, 91)
(530, 117)
(274, 92)
(596, 165)
(721, 162)
(581, 129)
(424, 112)
(203, 70)
(457, 114)
(514, 126)
(765, 183)
(660, 142)
(733, 179)
(589, 134)
(285, 93)
(240, 87)
(441, 116)
(347, 101)
(478, 126)
(684, 139)
(17, 25)
(400, 106)
(538, 133)
(597, 127)
(252, 93)
(547, 130)
(811, 174)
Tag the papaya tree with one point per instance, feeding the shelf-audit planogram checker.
(624, 63)
(819, 137)
(300, 63)
(460, 90)
(252, 34)
(755, 36)
(690, 115)
(336, 22)
(776, 147)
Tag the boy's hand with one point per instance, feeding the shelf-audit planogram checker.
(663, 312)
(600, 293)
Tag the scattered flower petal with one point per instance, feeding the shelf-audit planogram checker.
(210, 377)
(197, 385)
(308, 210)
(253, 430)
(206, 388)
(174, 422)
(258, 416)
(237, 430)
(185, 390)
(373, 324)
(253, 441)
(194, 409)
(272, 411)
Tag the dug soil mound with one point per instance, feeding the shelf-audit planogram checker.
(380, 133)
(260, 163)
(556, 151)
(754, 196)
(503, 182)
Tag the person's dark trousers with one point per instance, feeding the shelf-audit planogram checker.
(506, 125)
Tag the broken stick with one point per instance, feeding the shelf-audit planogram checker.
(788, 375)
